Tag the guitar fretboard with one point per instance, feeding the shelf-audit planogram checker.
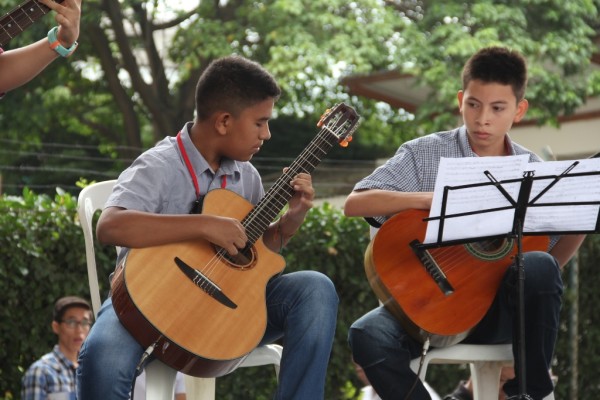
(277, 197)
(258, 220)
(20, 18)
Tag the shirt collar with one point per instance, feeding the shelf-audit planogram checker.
(228, 167)
(62, 358)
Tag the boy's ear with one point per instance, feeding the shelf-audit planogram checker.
(522, 107)
(222, 122)
(460, 96)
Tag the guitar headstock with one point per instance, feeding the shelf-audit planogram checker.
(341, 121)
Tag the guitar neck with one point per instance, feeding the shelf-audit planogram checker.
(21, 18)
(259, 219)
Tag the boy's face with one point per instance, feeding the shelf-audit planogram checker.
(247, 132)
(70, 338)
(488, 111)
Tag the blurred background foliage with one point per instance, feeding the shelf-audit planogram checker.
(132, 80)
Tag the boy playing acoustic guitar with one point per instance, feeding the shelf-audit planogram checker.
(491, 100)
(155, 204)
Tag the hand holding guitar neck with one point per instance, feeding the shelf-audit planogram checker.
(19, 66)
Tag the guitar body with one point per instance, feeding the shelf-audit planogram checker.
(196, 333)
(202, 310)
(403, 284)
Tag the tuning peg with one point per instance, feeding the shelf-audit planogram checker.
(344, 142)
(325, 114)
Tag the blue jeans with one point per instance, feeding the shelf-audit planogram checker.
(381, 346)
(301, 308)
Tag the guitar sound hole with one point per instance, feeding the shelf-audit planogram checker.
(491, 249)
(244, 259)
(489, 246)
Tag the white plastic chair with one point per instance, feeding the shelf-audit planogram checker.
(204, 388)
(485, 362)
(160, 378)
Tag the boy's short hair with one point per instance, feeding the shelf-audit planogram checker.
(232, 84)
(497, 65)
(64, 303)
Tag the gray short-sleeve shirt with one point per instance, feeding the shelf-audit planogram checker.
(158, 181)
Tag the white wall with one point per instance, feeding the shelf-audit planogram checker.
(573, 140)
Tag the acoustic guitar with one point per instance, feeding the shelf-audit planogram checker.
(20, 18)
(437, 292)
(201, 309)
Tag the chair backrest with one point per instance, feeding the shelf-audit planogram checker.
(161, 379)
(91, 199)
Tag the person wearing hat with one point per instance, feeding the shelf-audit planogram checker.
(52, 377)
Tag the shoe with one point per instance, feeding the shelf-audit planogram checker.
(460, 393)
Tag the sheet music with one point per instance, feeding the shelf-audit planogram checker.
(567, 190)
(564, 218)
(469, 170)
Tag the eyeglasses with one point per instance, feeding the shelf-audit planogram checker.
(73, 323)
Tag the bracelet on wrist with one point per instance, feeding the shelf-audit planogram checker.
(56, 46)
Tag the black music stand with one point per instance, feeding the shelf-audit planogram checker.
(523, 203)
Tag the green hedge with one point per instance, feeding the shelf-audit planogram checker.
(42, 257)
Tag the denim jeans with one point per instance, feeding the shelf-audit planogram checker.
(301, 310)
(381, 346)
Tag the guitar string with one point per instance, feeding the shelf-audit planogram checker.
(292, 171)
(448, 259)
(282, 184)
(275, 203)
(21, 19)
(254, 222)
(221, 255)
(281, 201)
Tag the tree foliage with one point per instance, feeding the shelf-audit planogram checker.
(557, 39)
(133, 77)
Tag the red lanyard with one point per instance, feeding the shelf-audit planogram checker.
(188, 164)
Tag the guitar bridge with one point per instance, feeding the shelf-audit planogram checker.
(432, 268)
(209, 287)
